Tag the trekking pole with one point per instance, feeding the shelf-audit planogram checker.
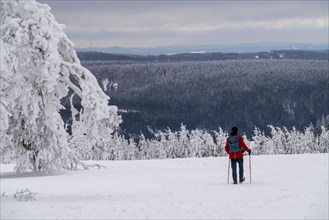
(228, 170)
(250, 167)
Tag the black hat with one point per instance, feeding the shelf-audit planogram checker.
(235, 129)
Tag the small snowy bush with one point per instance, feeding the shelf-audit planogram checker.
(25, 195)
(4, 194)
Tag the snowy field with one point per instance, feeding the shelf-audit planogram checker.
(283, 186)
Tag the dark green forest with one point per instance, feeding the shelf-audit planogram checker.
(216, 93)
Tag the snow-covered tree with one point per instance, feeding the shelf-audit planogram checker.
(260, 143)
(156, 150)
(183, 141)
(171, 143)
(308, 141)
(294, 141)
(278, 140)
(221, 137)
(324, 140)
(133, 150)
(210, 146)
(143, 147)
(39, 67)
(197, 144)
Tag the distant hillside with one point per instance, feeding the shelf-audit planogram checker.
(208, 94)
(234, 48)
(276, 54)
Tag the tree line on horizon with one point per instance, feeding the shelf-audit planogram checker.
(209, 56)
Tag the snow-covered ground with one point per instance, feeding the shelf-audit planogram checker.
(283, 186)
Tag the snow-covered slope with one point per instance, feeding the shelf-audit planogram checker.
(283, 186)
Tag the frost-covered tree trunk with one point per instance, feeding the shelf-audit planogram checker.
(38, 66)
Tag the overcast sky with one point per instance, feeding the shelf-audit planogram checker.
(162, 23)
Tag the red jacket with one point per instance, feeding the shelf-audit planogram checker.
(238, 154)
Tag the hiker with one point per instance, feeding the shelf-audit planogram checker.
(235, 147)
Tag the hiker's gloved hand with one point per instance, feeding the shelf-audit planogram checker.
(249, 152)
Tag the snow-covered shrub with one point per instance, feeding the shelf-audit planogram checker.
(4, 194)
(25, 195)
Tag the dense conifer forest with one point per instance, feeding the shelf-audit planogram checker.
(158, 93)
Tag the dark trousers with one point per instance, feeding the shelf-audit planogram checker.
(234, 173)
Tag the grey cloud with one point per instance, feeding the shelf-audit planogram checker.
(177, 21)
(161, 38)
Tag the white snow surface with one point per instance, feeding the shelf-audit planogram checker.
(283, 186)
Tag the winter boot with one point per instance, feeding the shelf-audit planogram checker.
(242, 179)
(235, 182)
